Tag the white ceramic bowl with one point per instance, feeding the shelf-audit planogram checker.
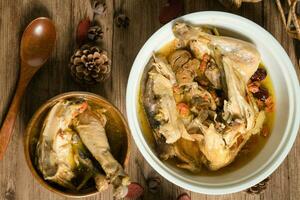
(287, 93)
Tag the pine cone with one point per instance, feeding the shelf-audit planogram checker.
(95, 33)
(122, 21)
(258, 188)
(90, 65)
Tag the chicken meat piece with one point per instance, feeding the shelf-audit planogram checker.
(160, 104)
(197, 96)
(90, 127)
(243, 56)
(213, 74)
(237, 61)
(172, 139)
(54, 151)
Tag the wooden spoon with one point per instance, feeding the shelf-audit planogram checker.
(36, 46)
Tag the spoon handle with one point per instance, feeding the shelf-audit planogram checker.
(9, 122)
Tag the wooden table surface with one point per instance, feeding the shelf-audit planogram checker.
(16, 181)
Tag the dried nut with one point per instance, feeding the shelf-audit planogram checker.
(135, 190)
(82, 31)
(259, 75)
(184, 196)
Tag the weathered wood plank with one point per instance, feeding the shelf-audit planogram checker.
(9, 40)
(16, 182)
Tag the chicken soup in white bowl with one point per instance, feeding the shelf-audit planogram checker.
(212, 102)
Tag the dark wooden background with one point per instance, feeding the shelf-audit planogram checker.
(16, 182)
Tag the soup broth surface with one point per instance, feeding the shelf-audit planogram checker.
(253, 146)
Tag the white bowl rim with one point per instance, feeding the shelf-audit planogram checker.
(282, 150)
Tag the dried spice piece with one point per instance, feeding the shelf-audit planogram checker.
(99, 7)
(90, 65)
(258, 188)
(254, 86)
(236, 4)
(95, 33)
(173, 9)
(82, 31)
(184, 196)
(135, 191)
(259, 75)
(121, 20)
(154, 184)
(291, 20)
(262, 94)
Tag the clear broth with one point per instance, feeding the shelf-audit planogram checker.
(253, 146)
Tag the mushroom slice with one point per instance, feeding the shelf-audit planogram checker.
(178, 58)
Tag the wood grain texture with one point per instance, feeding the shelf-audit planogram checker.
(16, 182)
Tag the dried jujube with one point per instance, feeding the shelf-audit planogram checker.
(82, 31)
(135, 190)
(259, 75)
